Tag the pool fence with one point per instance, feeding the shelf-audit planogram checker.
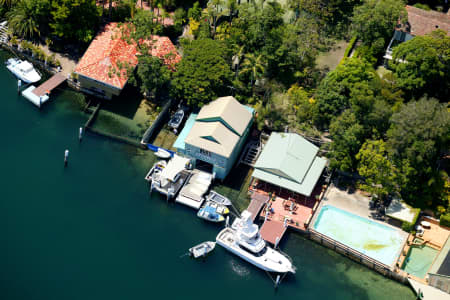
(355, 255)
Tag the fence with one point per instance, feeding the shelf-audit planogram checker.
(157, 123)
(438, 281)
(355, 255)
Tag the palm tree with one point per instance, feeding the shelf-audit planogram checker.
(22, 19)
(8, 3)
(236, 60)
(255, 66)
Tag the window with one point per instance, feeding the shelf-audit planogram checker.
(205, 152)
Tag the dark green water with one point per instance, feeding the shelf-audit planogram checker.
(91, 231)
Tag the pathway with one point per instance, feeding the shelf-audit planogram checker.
(67, 63)
(257, 202)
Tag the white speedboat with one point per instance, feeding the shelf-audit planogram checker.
(23, 70)
(218, 198)
(162, 153)
(243, 239)
(156, 170)
(201, 250)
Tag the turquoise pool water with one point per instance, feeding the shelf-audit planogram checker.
(419, 259)
(378, 241)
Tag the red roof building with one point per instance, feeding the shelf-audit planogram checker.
(101, 69)
(422, 22)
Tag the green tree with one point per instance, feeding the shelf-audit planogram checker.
(26, 17)
(418, 138)
(254, 66)
(374, 21)
(75, 20)
(347, 135)
(333, 93)
(204, 73)
(377, 169)
(300, 103)
(422, 65)
(152, 75)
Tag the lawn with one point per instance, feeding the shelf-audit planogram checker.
(330, 60)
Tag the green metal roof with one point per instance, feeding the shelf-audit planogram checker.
(290, 161)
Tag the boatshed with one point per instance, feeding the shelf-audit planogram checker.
(216, 136)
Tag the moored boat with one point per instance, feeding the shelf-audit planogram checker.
(243, 239)
(177, 119)
(155, 170)
(221, 209)
(162, 153)
(23, 70)
(202, 250)
(209, 213)
(218, 198)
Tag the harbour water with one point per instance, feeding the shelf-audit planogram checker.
(91, 231)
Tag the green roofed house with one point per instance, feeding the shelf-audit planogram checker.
(289, 161)
(215, 137)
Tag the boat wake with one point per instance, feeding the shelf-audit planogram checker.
(239, 268)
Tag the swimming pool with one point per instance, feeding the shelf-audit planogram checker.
(419, 260)
(380, 242)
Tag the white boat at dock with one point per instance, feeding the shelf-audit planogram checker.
(172, 177)
(202, 250)
(218, 198)
(243, 239)
(162, 153)
(156, 170)
(192, 193)
(23, 70)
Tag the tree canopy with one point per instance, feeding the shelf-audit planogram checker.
(204, 72)
(422, 65)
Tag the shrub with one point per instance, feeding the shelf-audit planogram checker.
(422, 6)
(350, 46)
(445, 220)
(409, 227)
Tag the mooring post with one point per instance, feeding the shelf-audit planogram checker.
(66, 157)
(80, 134)
(277, 240)
(277, 281)
(40, 101)
(19, 84)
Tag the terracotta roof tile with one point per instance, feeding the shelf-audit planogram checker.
(423, 22)
(108, 50)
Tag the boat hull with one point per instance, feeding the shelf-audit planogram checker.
(260, 262)
(31, 77)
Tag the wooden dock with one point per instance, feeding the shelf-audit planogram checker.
(257, 203)
(49, 85)
(271, 230)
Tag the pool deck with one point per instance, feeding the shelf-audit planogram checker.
(435, 237)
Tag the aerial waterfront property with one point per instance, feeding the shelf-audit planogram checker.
(276, 124)
(217, 136)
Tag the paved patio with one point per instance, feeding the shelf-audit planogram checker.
(355, 202)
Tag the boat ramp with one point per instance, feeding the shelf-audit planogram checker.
(41, 94)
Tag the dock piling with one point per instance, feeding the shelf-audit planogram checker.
(19, 84)
(80, 134)
(66, 157)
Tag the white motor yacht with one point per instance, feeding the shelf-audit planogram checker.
(243, 239)
(23, 70)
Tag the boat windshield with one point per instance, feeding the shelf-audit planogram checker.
(258, 254)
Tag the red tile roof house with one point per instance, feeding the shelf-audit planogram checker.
(96, 70)
(420, 22)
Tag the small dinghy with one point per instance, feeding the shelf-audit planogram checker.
(220, 208)
(218, 198)
(161, 153)
(209, 213)
(202, 250)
